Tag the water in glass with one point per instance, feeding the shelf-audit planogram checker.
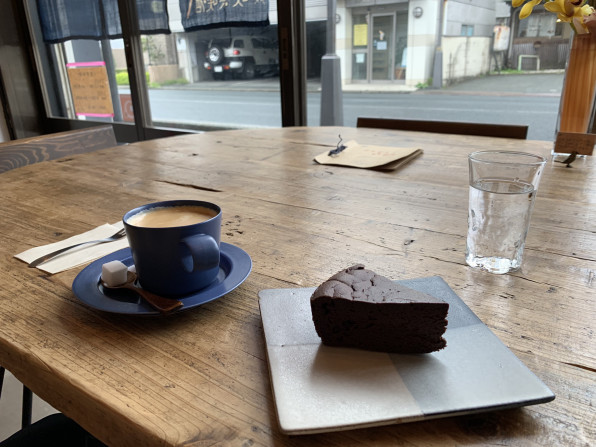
(498, 221)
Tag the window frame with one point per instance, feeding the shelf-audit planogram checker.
(292, 57)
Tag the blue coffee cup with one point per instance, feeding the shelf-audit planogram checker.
(175, 253)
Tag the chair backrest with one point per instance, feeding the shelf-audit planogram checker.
(26, 151)
(453, 127)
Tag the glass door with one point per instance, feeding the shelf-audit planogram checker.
(401, 45)
(360, 47)
(383, 31)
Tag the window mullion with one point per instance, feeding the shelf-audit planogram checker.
(134, 61)
(292, 61)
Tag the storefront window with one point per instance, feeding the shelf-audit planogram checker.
(384, 43)
(359, 46)
(209, 78)
(223, 77)
(359, 66)
(401, 43)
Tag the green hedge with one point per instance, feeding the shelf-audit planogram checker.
(122, 77)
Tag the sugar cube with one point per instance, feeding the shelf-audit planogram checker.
(114, 273)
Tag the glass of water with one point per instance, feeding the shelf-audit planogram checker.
(503, 188)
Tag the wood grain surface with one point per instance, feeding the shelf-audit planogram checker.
(200, 378)
(579, 86)
(26, 151)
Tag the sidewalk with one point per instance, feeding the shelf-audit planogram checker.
(546, 83)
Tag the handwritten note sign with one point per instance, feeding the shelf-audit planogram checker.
(90, 89)
(582, 143)
(501, 38)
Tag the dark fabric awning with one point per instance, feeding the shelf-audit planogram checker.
(62, 20)
(205, 14)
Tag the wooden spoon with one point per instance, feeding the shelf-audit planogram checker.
(164, 305)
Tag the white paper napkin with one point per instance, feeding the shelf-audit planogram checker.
(76, 256)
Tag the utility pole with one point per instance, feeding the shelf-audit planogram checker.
(438, 59)
(332, 112)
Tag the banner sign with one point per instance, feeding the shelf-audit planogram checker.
(62, 20)
(203, 14)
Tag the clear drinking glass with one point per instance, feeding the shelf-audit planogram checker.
(503, 188)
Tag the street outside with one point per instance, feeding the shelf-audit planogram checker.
(527, 99)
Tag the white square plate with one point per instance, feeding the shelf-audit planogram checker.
(319, 388)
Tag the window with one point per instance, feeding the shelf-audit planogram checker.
(467, 30)
(181, 87)
(180, 78)
(360, 41)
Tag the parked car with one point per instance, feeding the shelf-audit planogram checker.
(241, 56)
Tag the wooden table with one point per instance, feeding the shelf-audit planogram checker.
(200, 378)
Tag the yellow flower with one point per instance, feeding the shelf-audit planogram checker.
(527, 8)
(586, 21)
(581, 15)
(589, 22)
(566, 10)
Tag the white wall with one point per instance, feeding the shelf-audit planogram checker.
(421, 41)
(479, 13)
(502, 9)
(465, 57)
(343, 41)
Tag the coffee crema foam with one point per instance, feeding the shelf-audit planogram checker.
(171, 216)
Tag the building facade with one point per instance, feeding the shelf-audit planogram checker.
(408, 41)
(377, 41)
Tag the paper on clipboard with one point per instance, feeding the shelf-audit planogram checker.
(369, 156)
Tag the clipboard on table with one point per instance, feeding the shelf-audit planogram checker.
(386, 158)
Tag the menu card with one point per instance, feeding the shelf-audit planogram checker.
(568, 142)
(368, 156)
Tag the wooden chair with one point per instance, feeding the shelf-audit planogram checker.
(453, 127)
(26, 151)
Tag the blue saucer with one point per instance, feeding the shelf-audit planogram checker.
(234, 267)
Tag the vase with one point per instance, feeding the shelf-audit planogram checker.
(578, 96)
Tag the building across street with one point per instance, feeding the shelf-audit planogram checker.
(411, 43)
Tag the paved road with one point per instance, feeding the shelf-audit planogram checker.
(507, 99)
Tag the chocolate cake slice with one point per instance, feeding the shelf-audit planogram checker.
(357, 308)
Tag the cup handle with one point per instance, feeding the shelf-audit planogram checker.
(204, 250)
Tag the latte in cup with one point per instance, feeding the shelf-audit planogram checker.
(171, 216)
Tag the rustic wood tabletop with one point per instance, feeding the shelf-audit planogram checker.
(200, 377)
